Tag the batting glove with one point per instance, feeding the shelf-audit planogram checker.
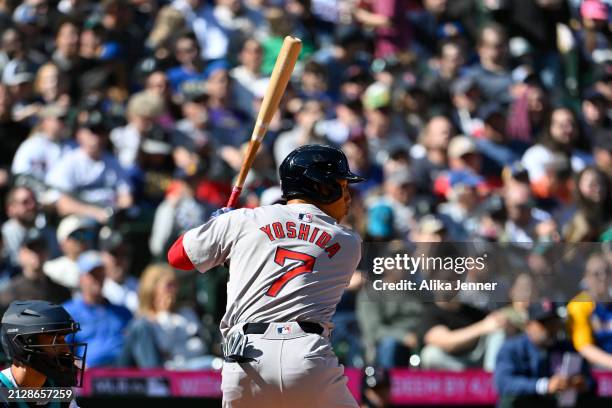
(220, 211)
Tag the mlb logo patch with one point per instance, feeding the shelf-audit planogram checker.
(305, 217)
(284, 330)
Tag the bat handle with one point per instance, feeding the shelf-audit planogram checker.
(244, 170)
(233, 200)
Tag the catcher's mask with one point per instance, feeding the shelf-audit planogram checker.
(40, 335)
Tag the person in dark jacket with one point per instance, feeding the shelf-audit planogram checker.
(32, 283)
(528, 368)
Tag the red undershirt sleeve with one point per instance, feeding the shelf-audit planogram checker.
(177, 257)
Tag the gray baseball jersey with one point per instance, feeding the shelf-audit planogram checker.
(287, 262)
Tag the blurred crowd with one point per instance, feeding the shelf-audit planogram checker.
(124, 122)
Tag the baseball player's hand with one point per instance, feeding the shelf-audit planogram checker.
(220, 211)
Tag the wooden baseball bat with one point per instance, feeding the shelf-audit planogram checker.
(283, 68)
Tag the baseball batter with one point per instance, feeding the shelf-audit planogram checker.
(288, 267)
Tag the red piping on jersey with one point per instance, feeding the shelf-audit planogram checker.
(177, 257)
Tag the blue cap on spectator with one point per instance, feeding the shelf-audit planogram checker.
(215, 66)
(467, 178)
(380, 221)
(88, 261)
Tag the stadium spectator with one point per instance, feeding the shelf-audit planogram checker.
(51, 86)
(194, 127)
(466, 98)
(168, 22)
(594, 198)
(121, 31)
(522, 293)
(102, 323)
(593, 113)
(227, 122)
(120, 288)
(163, 335)
(24, 214)
(143, 109)
(529, 111)
(222, 23)
(305, 131)
(528, 373)
(89, 181)
(390, 323)
(523, 218)
(190, 73)
(32, 283)
(158, 84)
(492, 73)
(462, 209)
(589, 314)
(430, 154)
(389, 21)
(179, 212)
(562, 136)
(75, 235)
(248, 74)
(359, 160)
(398, 193)
(45, 147)
(347, 124)
(464, 161)
(66, 55)
(379, 131)
(439, 82)
(497, 149)
(455, 335)
(313, 84)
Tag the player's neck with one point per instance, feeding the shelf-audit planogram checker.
(299, 201)
(27, 376)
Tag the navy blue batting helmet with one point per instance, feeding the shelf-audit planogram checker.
(312, 172)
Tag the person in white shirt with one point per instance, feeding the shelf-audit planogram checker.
(24, 213)
(142, 111)
(89, 181)
(561, 137)
(75, 235)
(247, 74)
(525, 223)
(217, 25)
(38, 153)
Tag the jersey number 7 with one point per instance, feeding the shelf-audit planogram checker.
(282, 254)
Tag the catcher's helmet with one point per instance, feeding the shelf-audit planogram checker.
(22, 325)
(312, 172)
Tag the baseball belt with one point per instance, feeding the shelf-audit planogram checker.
(260, 328)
